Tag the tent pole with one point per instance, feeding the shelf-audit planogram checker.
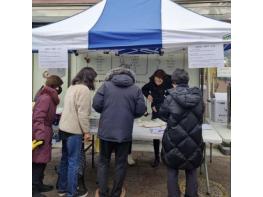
(69, 69)
(202, 80)
(201, 71)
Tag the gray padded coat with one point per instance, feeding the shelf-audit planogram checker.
(119, 101)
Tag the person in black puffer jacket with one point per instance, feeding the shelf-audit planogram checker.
(182, 143)
(155, 92)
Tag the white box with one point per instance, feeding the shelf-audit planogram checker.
(219, 108)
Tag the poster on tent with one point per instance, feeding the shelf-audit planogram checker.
(206, 56)
(137, 63)
(170, 61)
(53, 57)
(101, 63)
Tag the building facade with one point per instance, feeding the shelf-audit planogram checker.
(49, 11)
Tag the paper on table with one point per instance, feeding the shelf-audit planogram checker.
(151, 123)
(207, 127)
(157, 130)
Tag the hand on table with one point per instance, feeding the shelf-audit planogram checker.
(150, 98)
(154, 109)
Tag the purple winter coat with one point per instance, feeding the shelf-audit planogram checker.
(43, 115)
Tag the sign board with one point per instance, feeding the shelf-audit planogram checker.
(53, 57)
(137, 63)
(224, 72)
(206, 56)
(101, 63)
(168, 63)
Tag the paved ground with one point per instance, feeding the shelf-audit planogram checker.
(144, 181)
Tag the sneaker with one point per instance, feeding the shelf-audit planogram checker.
(45, 188)
(81, 193)
(155, 163)
(38, 195)
(61, 193)
(131, 161)
(97, 193)
(123, 192)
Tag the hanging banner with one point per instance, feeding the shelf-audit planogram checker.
(206, 56)
(53, 57)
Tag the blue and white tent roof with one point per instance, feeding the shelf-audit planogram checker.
(136, 24)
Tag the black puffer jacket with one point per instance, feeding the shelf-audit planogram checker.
(157, 92)
(182, 144)
(119, 101)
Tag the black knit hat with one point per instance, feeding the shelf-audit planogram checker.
(54, 81)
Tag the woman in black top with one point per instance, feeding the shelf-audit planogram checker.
(155, 92)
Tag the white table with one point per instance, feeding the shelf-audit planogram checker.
(142, 133)
(210, 136)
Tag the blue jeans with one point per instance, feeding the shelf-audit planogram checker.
(69, 164)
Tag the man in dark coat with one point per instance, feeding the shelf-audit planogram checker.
(182, 144)
(155, 92)
(119, 101)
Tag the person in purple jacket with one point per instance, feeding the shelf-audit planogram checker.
(44, 112)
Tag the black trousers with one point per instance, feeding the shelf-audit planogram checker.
(121, 153)
(130, 148)
(156, 146)
(156, 142)
(191, 183)
(38, 174)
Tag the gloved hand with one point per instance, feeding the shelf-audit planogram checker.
(36, 143)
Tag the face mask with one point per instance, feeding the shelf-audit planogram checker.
(59, 90)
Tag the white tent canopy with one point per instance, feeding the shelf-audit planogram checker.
(136, 24)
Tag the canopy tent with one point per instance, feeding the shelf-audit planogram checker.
(136, 24)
